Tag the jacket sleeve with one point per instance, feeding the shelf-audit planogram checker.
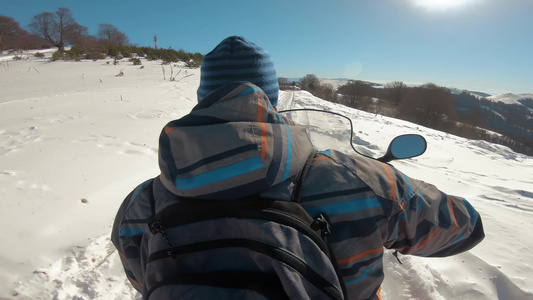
(128, 229)
(425, 221)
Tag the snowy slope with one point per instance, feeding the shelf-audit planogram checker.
(478, 95)
(510, 98)
(75, 139)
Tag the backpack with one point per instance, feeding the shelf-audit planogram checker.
(249, 248)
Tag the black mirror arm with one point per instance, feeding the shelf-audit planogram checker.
(386, 158)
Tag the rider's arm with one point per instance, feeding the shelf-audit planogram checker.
(429, 222)
(128, 229)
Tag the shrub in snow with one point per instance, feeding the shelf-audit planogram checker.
(56, 56)
(136, 61)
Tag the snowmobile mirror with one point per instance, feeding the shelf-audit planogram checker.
(405, 146)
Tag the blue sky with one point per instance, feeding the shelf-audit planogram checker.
(483, 45)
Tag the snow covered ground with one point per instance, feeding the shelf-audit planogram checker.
(75, 138)
(509, 98)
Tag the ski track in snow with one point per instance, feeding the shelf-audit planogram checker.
(422, 278)
(427, 281)
(57, 146)
(91, 272)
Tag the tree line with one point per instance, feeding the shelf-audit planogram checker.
(428, 105)
(435, 107)
(60, 29)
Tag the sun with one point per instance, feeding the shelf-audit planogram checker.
(441, 5)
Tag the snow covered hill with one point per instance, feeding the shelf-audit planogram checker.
(478, 95)
(75, 138)
(510, 98)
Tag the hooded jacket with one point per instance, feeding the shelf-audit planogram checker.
(234, 144)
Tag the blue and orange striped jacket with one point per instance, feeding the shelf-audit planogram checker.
(234, 144)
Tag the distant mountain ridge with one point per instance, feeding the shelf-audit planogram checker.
(507, 98)
(507, 114)
(510, 98)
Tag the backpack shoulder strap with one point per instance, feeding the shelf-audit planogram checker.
(152, 199)
(321, 222)
(301, 177)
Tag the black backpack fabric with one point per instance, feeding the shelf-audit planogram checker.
(269, 248)
(249, 248)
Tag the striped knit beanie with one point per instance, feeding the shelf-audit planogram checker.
(237, 59)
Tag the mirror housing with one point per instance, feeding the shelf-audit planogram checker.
(405, 146)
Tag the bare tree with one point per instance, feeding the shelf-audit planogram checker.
(77, 34)
(310, 82)
(54, 27)
(112, 35)
(14, 37)
(478, 117)
(357, 92)
(106, 32)
(326, 92)
(395, 91)
(9, 30)
(283, 83)
(429, 105)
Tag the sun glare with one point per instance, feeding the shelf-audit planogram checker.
(441, 5)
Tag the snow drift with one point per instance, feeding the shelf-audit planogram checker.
(75, 138)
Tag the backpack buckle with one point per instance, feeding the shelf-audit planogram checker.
(322, 223)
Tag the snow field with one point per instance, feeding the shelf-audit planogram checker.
(75, 139)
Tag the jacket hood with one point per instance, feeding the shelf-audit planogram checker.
(231, 145)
